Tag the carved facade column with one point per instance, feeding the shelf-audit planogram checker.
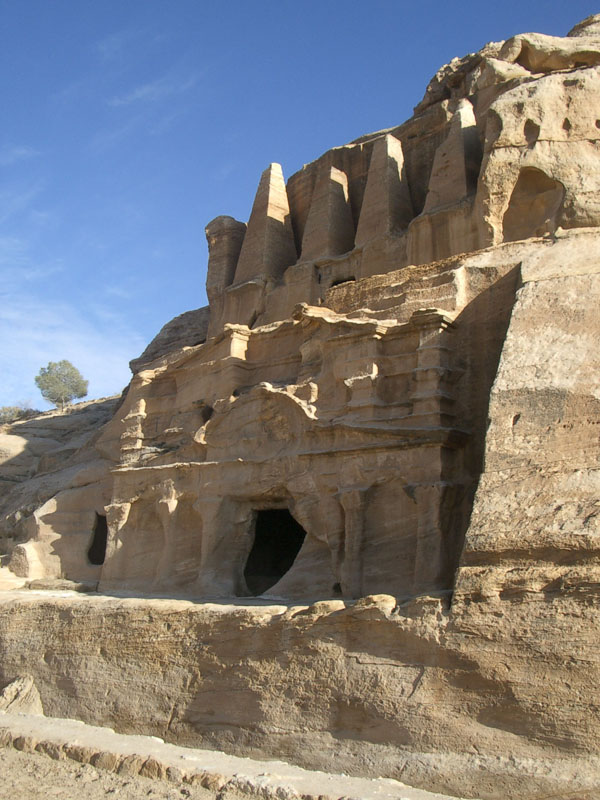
(225, 545)
(431, 396)
(167, 513)
(353, 503)
(430, 556)
(114, 568)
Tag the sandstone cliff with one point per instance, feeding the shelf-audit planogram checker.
(385, 426)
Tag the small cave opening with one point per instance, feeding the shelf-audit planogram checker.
(206, 412)
(277, 541)
(339, 282)
(531, 132)
(97, 552)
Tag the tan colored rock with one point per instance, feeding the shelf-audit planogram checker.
(543, 161)
(106, 760)
(21, 696)
(54, 750)
(187, 330)
(6, 737)
(452, 80)
(352, 159)
(375, 482)
(206, 771)
(268, 246)
(212, 781)
(19, 454)
(25, 743)
(329, 228)
(494, 72)
(176, 775)
(540, 53)
(80, 753)
(69, 490)
(48, 441)
(131, 765)
(225, 236)
(152, 768)
(387, 206)
(590, 26)
(456, 163)
(446, 225)
(434, 692)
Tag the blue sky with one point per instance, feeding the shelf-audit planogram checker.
(128, 124)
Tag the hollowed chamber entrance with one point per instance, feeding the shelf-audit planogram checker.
(97, 551)
(277, 541)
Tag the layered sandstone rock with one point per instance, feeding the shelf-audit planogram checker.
(397, 397)
(475, 701)
(55, 485)
(186, 330)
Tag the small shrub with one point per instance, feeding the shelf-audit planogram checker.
(10, 414)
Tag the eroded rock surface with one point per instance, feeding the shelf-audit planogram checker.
(21, 697)
(386, 424)
(54, 486)
(186, 330)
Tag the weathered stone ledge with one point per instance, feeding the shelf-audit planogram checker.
(375, 687)
(150, 757)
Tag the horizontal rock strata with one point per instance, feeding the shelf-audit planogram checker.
(434, 698)
(385, 427)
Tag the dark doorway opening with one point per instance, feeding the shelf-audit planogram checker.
(97, 552)
(277, 541)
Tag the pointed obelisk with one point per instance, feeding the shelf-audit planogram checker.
(329, 229)
(456, 161)
(386, 205)
(268, 246)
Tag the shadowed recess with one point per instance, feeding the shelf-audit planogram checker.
(97, 551)
(534, 206)
(277, 541)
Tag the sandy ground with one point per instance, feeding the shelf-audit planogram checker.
(169, 772)
(31, 776)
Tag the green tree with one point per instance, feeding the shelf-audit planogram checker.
(60, 382)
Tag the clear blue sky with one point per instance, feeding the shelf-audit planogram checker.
(128, 124)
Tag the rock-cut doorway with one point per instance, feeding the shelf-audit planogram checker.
(278, 538)
(97, 550)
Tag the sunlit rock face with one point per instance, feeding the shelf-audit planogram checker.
(394, 391)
